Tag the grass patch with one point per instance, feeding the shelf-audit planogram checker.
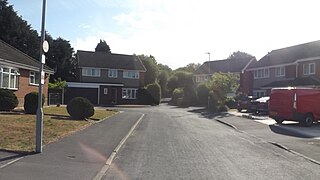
(17, 131)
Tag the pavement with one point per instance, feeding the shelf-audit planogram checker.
(294, 127)
(78, 156)
(292, 137)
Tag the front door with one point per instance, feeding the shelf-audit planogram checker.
(114, 95)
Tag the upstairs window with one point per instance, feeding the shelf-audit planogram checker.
(91, 72)
(34, 78)
(112, 73)
(280, 71)
(131, 74)
(9, 78)
(261, 73)
(309, 69)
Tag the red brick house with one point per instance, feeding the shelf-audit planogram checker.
(20, 73)
(297, 66)
(107, 78)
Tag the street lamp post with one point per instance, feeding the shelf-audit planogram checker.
(43, 47)
(209, 62)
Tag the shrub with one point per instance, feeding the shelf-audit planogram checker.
(155, 91)
(8, 100)
(80, 108)
(202, 94)
(177, 93)
(144, 97)
(31, 102)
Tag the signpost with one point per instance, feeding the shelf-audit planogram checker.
(43, 48)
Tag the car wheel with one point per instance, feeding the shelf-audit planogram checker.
(279, 121)
(308, 121)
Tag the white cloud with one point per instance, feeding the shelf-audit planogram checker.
(180, 32)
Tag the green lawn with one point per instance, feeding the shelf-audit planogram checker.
(17, 130)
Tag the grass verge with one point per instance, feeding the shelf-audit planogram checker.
(17, 130)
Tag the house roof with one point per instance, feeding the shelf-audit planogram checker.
(224, 66)
(13, 57)
(109, 61)
(300, 81)
(288, 55)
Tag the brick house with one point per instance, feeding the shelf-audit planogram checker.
(236, 66)
(297, 66)
(107, 79)
(20, 73)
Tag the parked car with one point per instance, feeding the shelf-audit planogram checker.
(244, 103)
(295, 104)
(260, 106)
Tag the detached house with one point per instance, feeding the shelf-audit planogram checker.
(235, 66)
(106, 79)
(297, 66)
(20, 73)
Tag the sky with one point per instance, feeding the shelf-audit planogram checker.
(178, 32)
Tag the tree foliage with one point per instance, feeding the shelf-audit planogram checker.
(102, 46)
(17, 32)
(240, 55)
(220, 85)
(163, 79)
(60, 58)
(152, 72)
(189, 68)
(57, 84)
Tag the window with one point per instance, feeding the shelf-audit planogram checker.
(309, 69)
(105, 91)
(112, 73)
(131, 74)
(34, 78)
(201, 78)
(91, 72)
(280, 71)
(129, 93)
(259, 93)
(9, 78)
(261, 73)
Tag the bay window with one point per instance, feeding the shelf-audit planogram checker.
(9, 78)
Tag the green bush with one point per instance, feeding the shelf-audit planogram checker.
(80, 108)
(8, 100)
(155, 91)
(202, 94)
(231, 103)
(177, 94)
(31, 102)
(144, 97)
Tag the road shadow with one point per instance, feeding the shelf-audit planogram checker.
(204, 113)
(296, 130)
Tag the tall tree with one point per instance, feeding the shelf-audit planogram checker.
(60, 58)
(240, 55)
(152, 69)
(17, 32)
(102, 46)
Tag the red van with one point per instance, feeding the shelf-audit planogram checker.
(295, 104)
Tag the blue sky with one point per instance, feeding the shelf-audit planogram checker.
(178, 32)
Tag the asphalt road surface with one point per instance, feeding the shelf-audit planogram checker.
(172, 143)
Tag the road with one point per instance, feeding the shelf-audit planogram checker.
(177, 143)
